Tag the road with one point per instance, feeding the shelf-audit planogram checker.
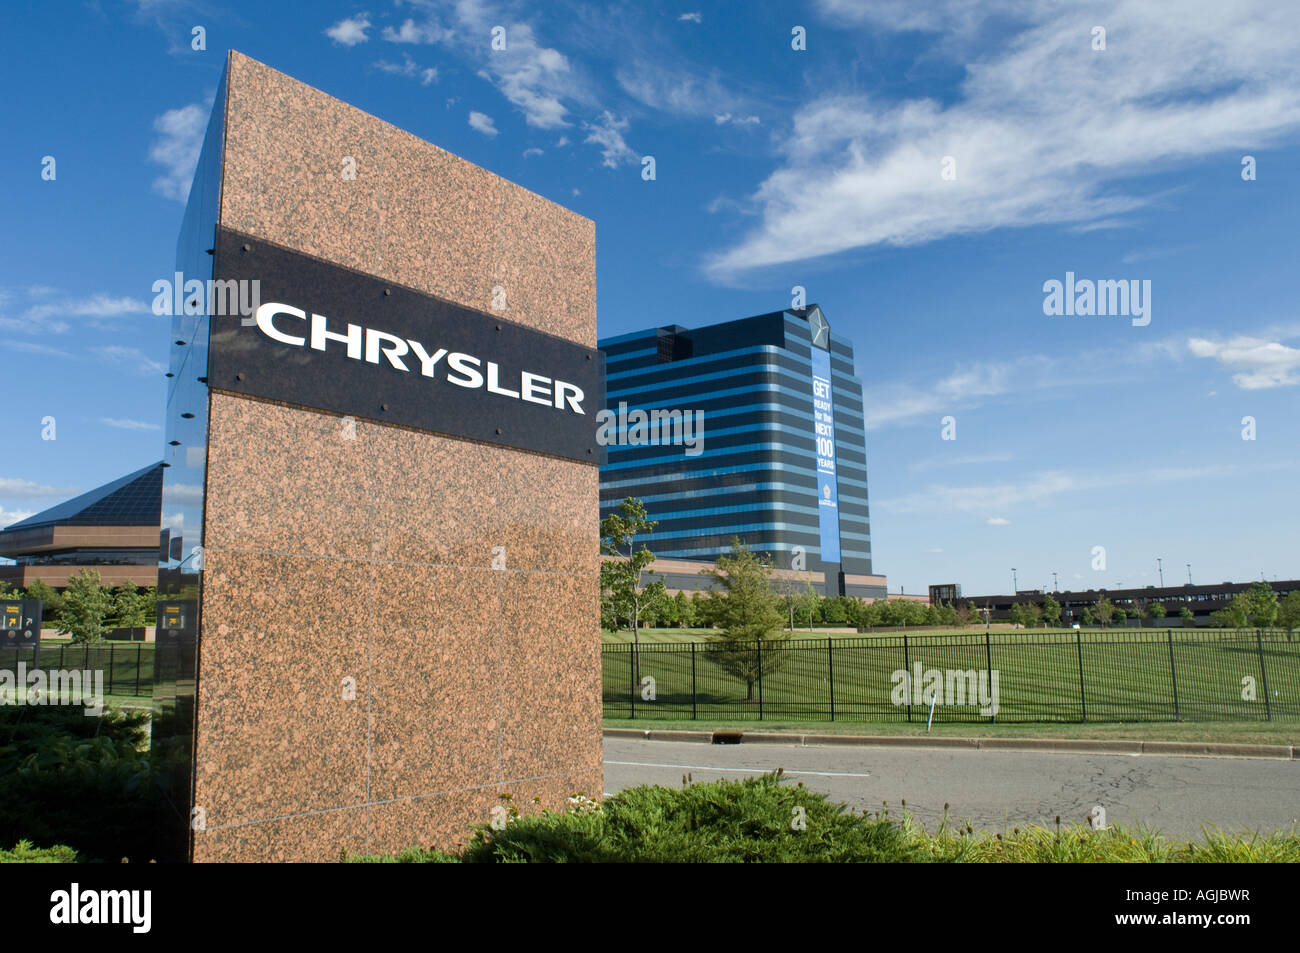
(994, 789)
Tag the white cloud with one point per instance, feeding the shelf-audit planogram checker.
(127, 424)
(408, 67)
(8, 517)
(1041, 487)
(176, 148)
(859, 171)
(533, 151)
(691, 18)
(98, 305)
(28, 347)
(974, 459)
(184, 493)
(350, 31)
(1260, 363)
(431, 31)
(537, 79)
(675, 89)
(998, 521)
(902, 403)
(26, 489)
(48, 316)
(482, 122)
(895, 403)
(959, 17)
(607, 132)
(131, 357)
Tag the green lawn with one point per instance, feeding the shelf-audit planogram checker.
(1044, 676)
(1252, 733)
(677, 636)
(127, 666)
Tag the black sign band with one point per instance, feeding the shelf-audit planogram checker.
(332, 339)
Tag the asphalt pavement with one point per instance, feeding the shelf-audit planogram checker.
(994, 790)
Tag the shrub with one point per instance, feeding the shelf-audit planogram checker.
(750, 820)
(87, 782)
(25, 853)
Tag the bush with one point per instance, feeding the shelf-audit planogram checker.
(25, 853)
(744, 821)
(750, 821)
(87, 782)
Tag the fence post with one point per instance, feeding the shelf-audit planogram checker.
(760, 679)
(631, 664)
(139, 658)
(907, 666)
(830, 663)
(1263, 675)
(1078, 646)
(694, 706)
(1173, 674)
(988, 657)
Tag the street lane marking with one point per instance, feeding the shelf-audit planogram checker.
(709, 767)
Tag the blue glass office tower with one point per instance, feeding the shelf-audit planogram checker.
(782, 463)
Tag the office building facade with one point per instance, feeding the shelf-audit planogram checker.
(112, 530)
(752, 429)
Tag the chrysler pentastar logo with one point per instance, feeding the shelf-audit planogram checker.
(460, 369)
(820, 330)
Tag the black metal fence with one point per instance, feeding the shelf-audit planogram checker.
(1143, 675)
(127, 666)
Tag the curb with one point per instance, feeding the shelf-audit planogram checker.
(1168, 749)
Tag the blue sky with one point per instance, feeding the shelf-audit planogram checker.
(775, 167)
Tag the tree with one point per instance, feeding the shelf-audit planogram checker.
(1120, 616)
(1158, 610)
(1104, 611)
(1261, 604)
(700, 611)
(684, 610)
(796, 596)
(608, 618)
(86, 604)
(1026, 614)
(746, 608)
(1086, 617)
(833, 611)
(1051, 611)
(1187, 615)
(1235, 615)
(666, 613)
(871, 614)
(131, 607)
(52, 600)
(913, 611)
(1288, 612)
(807, 603)
(620, 578)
